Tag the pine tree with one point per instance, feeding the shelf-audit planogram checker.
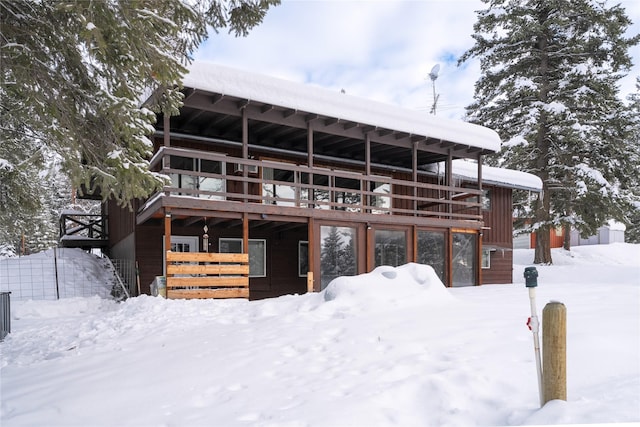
(347, 257)
(73, 74)
(632, 234)
(19, 167)
(548, 87)
(332, 250)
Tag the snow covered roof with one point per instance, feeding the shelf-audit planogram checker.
(215, 78)
(498, 176)
(491, 175)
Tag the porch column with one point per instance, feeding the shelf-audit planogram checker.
(245, 232)
(481, 200)
(311, 285)
(448, 170)
(166, 135)
(479, 172)
(310, 164)
(245, 152)
(167, 234)
(449, 265)
(367, 167)
(166, 124)
(414, 156)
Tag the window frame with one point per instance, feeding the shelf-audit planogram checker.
(303, 258)
(263, 273)
(486, 265)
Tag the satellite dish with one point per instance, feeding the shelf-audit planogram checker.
(434, 72)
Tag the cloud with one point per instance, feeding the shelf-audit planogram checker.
(380, 50)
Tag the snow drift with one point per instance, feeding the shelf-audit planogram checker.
(389, 348)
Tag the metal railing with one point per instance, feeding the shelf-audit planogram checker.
(56, 274)
(85, 226)
(287, 184)
(5, 314)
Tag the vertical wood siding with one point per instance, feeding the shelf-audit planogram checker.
(499, 235)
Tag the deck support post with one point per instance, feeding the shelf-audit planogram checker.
(481, 232)
(310, 163)
(448, 170)
(414, 177)
(311, 286)
(245, 232)
(245, 153)
(167, 235)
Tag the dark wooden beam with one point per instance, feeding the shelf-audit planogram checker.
(266, 108)
(216, 98)
(188, 93)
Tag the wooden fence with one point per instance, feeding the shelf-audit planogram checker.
(207, 275)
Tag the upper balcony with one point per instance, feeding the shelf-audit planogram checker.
(204, 180)
(251, 144)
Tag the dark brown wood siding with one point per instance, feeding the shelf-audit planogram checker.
(498, 236)
(149, 253)
(408, 191)
(122, 222)
(501, 270)
(282, 255)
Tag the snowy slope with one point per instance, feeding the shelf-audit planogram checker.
(389, 348)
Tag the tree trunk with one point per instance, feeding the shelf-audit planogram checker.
(566, 230)
(543, 234)
(543, 211)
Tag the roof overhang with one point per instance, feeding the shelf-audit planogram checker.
(311, 100)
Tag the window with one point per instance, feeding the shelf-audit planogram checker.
(210, 184)
(206, 184)
(464, 259)
(257, 253)
(390, 247)
(319, 192)
(381, 200)
(486, 259)
(338, 253)
(179, 244)
(349, 200)
(179, 180)
(431, 250)
(275, 193)
(486, 200)
(303, 258)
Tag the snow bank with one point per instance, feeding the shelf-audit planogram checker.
(389, 348)
(408, 284)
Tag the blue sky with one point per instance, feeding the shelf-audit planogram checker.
(381, 50)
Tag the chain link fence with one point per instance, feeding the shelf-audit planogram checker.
(66, 273)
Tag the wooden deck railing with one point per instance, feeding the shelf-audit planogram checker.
(402, 197)
(82, 229)
(207, 275)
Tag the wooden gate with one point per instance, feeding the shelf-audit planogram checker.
(207, 275)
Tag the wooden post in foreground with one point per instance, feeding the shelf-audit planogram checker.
(554, 352)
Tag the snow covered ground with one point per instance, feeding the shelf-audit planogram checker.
(389, 348)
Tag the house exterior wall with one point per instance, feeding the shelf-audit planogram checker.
(121, 222)
(253, 176)
(497, 236)
(282, 246)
